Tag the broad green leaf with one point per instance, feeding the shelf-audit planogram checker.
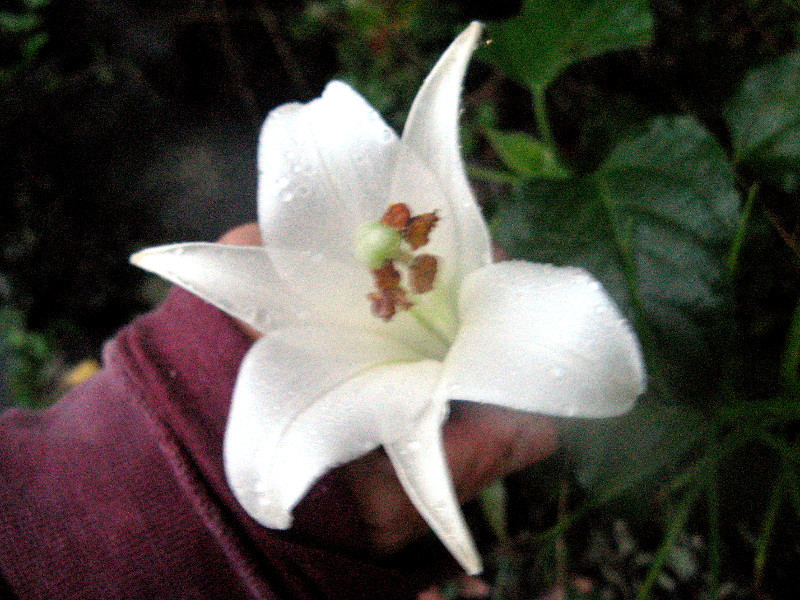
(654, 223)
(764, 120)
(632, 450)
(525, 155)
(550, 35)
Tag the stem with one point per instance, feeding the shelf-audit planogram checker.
(741, 230)
(492, 175)
(714, 537)
(504, 580)
(673, 531)
(560, 542)
(542, 118)
(792, 484)
(791, 355)
(770, 517)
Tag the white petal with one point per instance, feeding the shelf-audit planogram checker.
(286, 404)
(381, 405)
(324, 169)
(431, 133)
(239, 280)
(422, 468)
(545, 339)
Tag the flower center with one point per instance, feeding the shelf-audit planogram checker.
(391, 242)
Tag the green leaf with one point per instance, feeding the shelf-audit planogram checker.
(764, 120)
(525, 155)
(36, 4)
(32, 46)
(653, 223)
(550, 35)
(494, 501)
(633, 450)
(13, 23)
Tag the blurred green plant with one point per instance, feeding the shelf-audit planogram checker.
(30, 359)
(24, 32)
(383, 48)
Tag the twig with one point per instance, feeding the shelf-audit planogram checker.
(290, 64)
(234, 63)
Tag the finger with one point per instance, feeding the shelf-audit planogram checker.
(243, 235)
(485, 443)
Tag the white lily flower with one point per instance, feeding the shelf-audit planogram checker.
(329, 381)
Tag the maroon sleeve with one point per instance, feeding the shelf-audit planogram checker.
(118, 491)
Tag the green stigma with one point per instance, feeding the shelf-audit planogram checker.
(377, 243)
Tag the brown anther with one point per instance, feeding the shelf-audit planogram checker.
(423, 272)
(397, 216)
(419, 228)
(390, 295)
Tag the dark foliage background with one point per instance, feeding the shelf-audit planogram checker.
(126, 123)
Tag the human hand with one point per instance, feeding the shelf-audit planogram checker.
(482, 443)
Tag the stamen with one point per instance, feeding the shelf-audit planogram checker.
(423, 272)
(380, 246)
(390, 295)
(397, 216)
(418, 229)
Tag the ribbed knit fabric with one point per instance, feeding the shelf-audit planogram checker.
(117, 491)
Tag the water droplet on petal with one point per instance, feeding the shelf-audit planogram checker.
(304, 191)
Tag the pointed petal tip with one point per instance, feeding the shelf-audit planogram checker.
(148, 258)
(475, 568)
(265, 507)
(474, 29)
(139, 259)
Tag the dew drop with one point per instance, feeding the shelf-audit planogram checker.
(304, 191)
(557, 372)
(262, 317)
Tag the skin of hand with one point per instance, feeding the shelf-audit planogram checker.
(482, 443)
